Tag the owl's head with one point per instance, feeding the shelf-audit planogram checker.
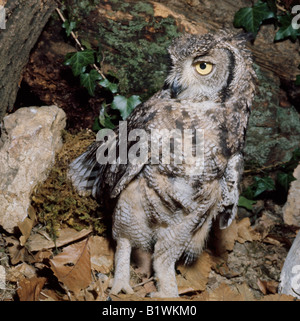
(210, 67)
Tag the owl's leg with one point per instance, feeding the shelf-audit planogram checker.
(122, 267)
(166, 278)
(164, 268)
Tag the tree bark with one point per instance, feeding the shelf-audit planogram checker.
(25, 19)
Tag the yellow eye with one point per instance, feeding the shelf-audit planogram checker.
(204, 68)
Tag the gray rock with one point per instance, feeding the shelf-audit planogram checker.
(290, 273)
(30, 137)
(291, 209)
(273, 132)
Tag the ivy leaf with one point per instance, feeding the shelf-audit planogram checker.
(86, 44)
(245, 202)
(109, 85)
(105, 119)
(88, 80)
(263, 184)
(96, 125)
(125, 105)
(286, 29)
(249, 192)
(79, 60)
(284, 179)
(272, 6)
(69, 26)
(251, 18)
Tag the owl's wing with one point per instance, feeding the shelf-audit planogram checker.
(230, 190)
(85, 169)
(91, 177)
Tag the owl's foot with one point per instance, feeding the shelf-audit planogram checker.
(122, 267)
(121, 285)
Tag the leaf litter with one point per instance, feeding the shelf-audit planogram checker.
(240, 263)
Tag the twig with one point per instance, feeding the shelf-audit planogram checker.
(72, 33)
(280, 8)
(78, 42)
(265, 168)
(142, 283)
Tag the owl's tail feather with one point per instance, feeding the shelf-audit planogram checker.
(84, 171)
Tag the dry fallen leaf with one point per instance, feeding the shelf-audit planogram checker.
(224, 239)
(194, 277)
(246, 232)
(240, 231)
(264, 224)
(15, 250)
(245, 292)
(52, 295)
(278, 297)
(102, 256)
(29, 289)
(267, 286)
(72, 267)
(27, 225)
(42, 240)
(21, 271)
(40, 256)
(224, 293)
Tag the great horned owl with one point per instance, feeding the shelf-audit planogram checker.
(165, 208)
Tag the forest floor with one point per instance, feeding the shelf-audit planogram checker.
(66, 254)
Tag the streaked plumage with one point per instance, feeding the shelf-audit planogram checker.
(160, 208)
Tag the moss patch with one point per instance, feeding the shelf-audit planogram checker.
(135, 47)
(274, 132)
(56, 202)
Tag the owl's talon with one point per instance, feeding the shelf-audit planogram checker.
(119, 286)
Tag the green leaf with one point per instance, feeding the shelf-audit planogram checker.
(284, 179)
(286, 29)
(109, 85)
(297, 82)
(245, 202)
(124, 105)
(296, 155)
(272, 5)
(96, 125)
(88, 80)
(251, 18)
(86, 44)
(249, 192)
(69, 26)
(263, 184)
(79, 60)
(105, 119)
